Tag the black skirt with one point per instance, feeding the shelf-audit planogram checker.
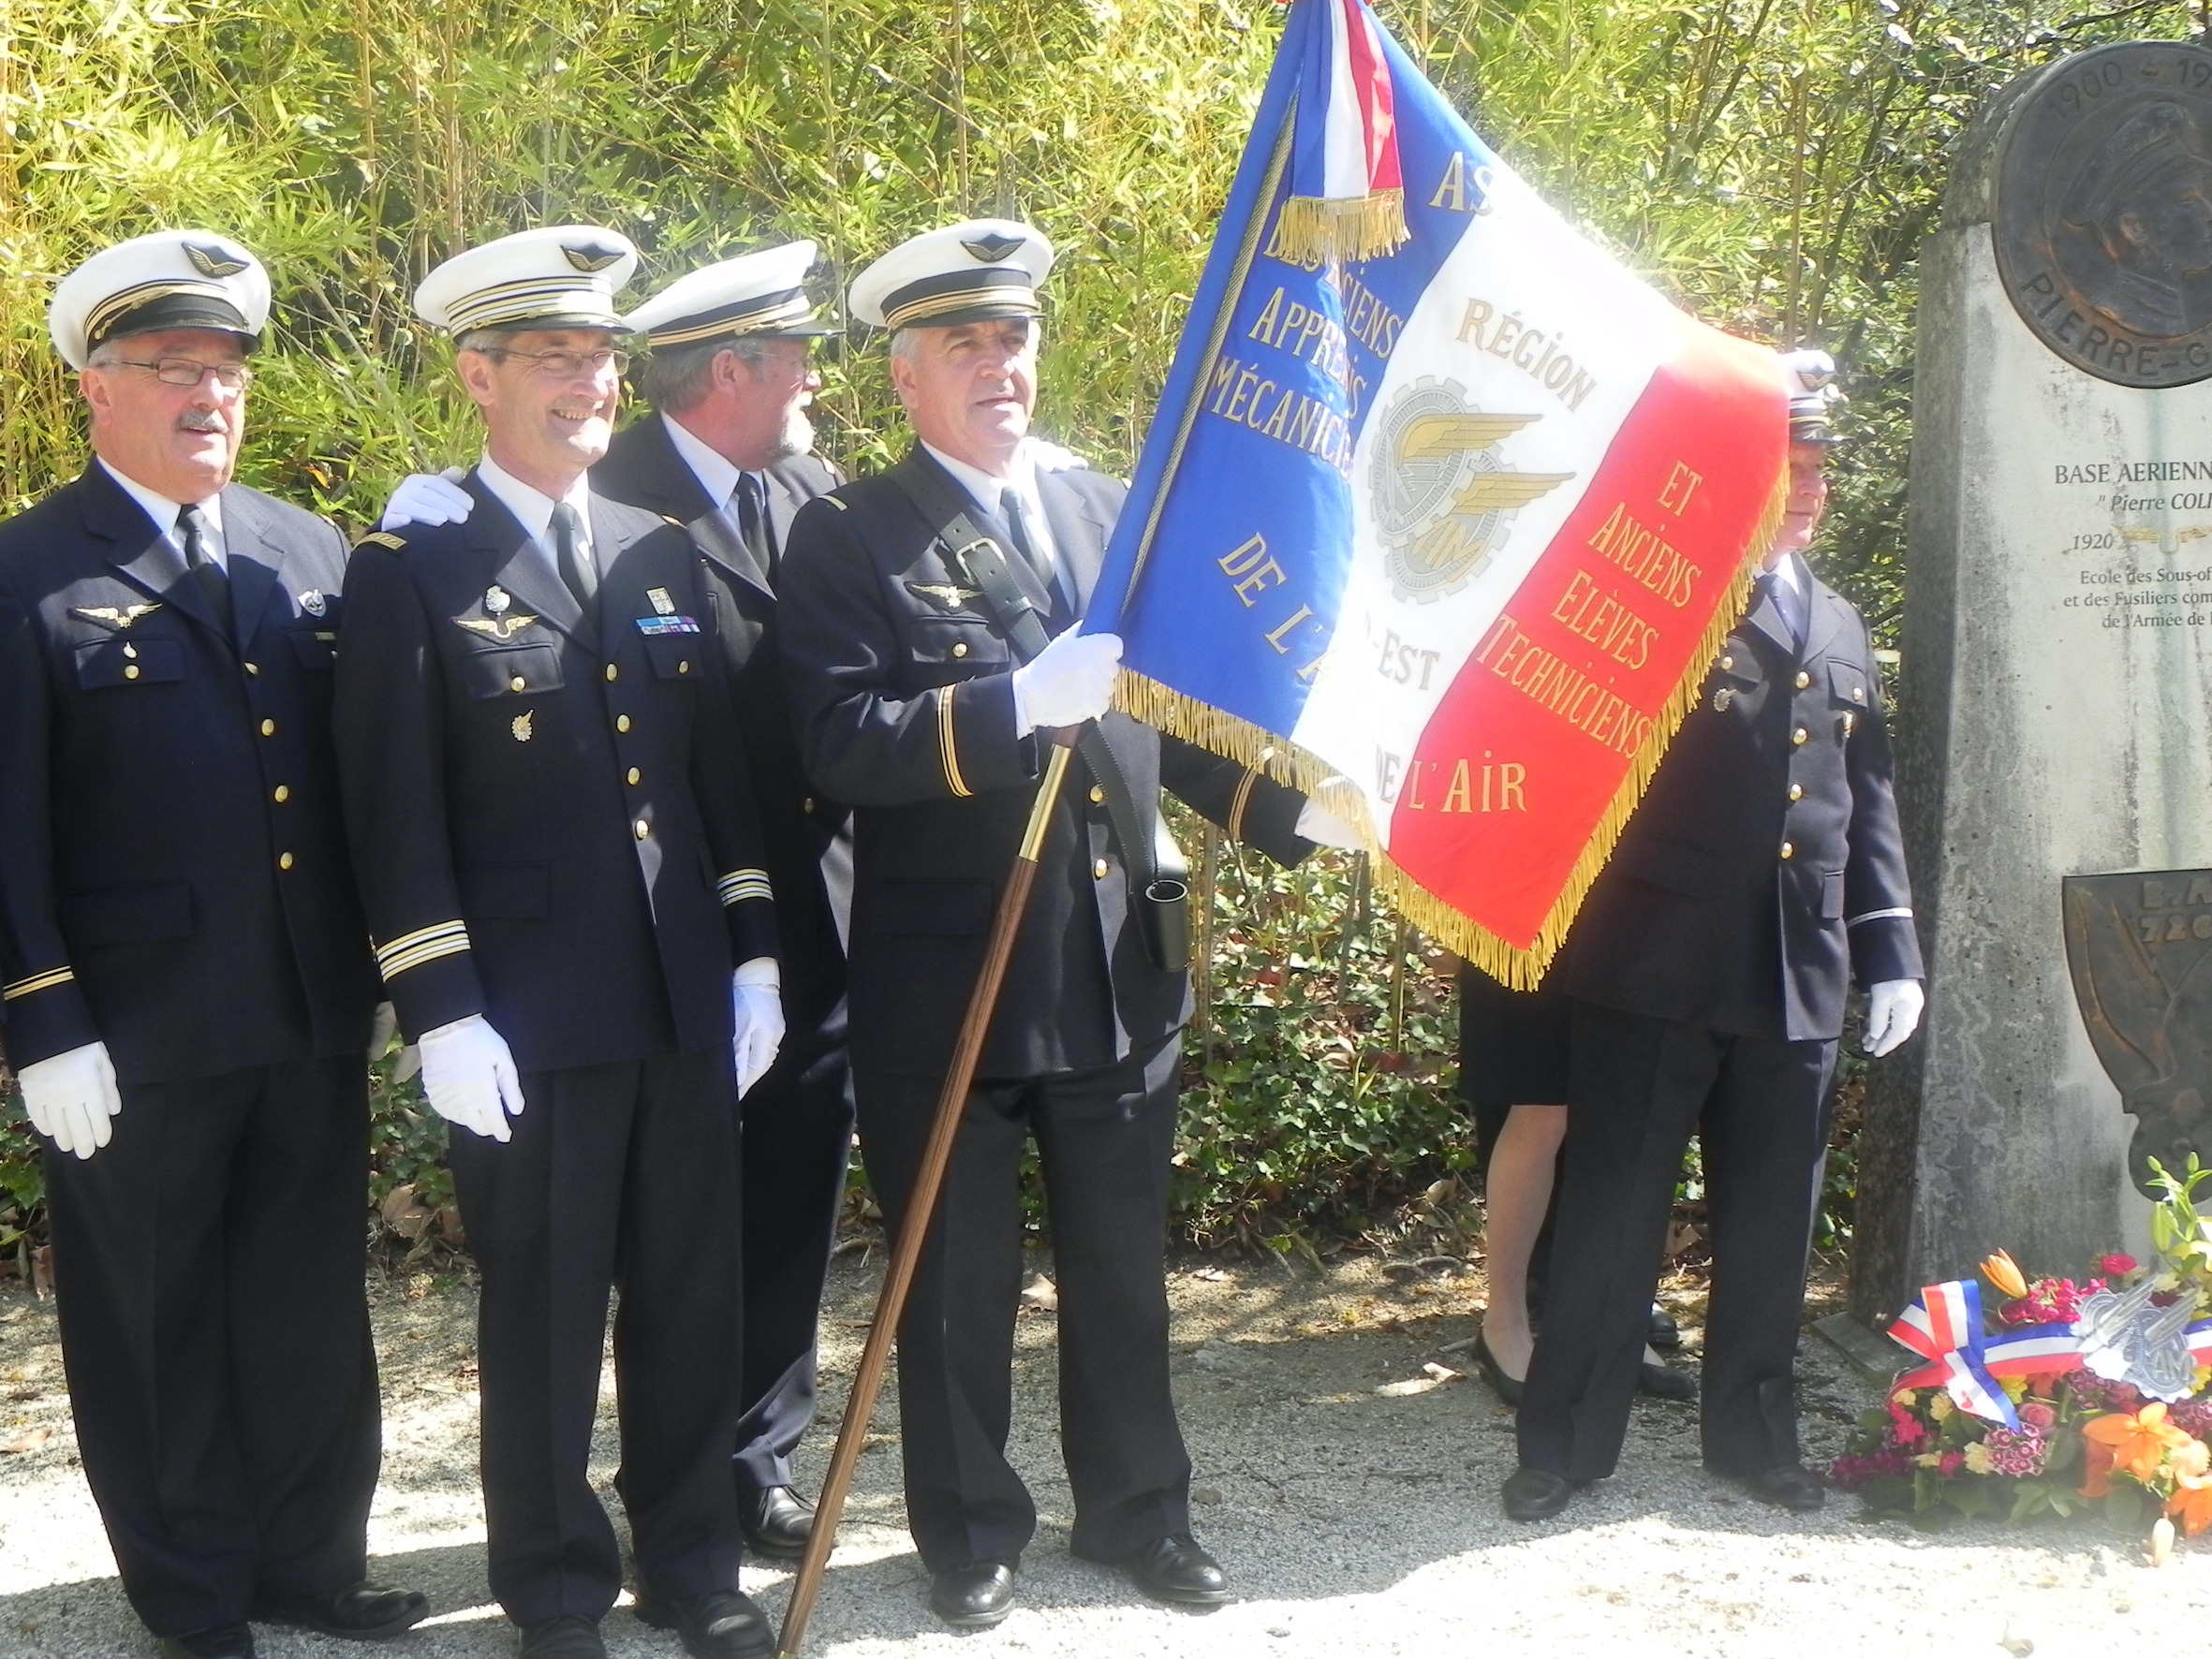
(1513, 1051)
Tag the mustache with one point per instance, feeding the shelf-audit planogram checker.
(202, 420)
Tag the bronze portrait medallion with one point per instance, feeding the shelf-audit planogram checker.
(2103, 211)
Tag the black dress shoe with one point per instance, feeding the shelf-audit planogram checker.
(1536, 1495)
(1507, 1388)
(225, 1641)
(1662, 1332)
(1663, 1382)
(1174, 1568)
(777, 1523)
(720, 1625)
(1786, 1486)
(565, 1637)
(363, 1613)
(972, 1595)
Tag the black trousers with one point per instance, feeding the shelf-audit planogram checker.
(210, 1263)
(1638, 1088)
(796, 1130)
(620, 1175)
(1105, 1137)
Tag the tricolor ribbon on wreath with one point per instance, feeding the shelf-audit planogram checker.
(1943, 1325)
(1444, 514)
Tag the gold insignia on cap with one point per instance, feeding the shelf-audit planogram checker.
(591, 257)
(946, 597)
(662, 602)
(990, 249)
(118, 617)
(213, 261)
(521, 728)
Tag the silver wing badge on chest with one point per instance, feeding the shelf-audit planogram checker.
(945, 597)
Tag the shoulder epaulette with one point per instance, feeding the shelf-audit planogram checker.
(836, 500)
(383, 538)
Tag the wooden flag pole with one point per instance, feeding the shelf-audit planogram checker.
(921, 1204)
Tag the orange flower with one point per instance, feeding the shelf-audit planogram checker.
(1998, 1269)
(2134, 1444)
(2191, 1503)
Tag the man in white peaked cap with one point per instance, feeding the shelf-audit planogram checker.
(550, 812)
(185, 974)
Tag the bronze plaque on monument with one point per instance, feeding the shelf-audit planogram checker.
(2140, 948)
(2104, 220)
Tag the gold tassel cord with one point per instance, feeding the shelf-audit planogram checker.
(1522, 969)
(1314, 230)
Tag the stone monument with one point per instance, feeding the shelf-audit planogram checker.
(2054, 708)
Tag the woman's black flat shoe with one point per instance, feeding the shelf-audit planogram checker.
(1507, 1388)
(1663, 1382)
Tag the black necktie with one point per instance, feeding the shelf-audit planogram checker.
(1017, 524)
(212, 579)
(752, 523)
(1786, 601)
(572, 559)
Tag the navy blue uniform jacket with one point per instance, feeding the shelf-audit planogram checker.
(550, 815)
(173, 870)
(901, 687)
(1764, 866)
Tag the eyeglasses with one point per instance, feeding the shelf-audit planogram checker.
(567, 365)
(183, 371)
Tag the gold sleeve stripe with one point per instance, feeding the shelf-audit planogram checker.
(411, 951)
(947, 745)
(740, 885)
(46, 981)
(1241, 800)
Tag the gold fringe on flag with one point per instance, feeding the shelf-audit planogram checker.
(1171, 711)
(1314, 230)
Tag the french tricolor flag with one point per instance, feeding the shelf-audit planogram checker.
(1443, 514)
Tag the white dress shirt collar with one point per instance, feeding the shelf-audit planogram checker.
(985, 492)
(532, 507)
(716, 474)
(163, 511)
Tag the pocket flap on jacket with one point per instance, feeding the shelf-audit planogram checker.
(1675, 865)
(676, 656)
(122, 661)
(510, 670)
(1846, 686)
(940, 907)
(127, 915)
(316, 648)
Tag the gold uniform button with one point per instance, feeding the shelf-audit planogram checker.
(612, 670)
(252, 670)
(960, 648)
(283, 860)
(806, 805)
(1799, 735)
(281, 794)
(1789, 851)
(622, 723)
(1803, 680)
(1796, 791)
(268, 728)
(643, 829)
(1728, 661)
(633, 774)
(683, 667)
(1097, 794)
(131, 673)
(1099, 870)
(516, 683)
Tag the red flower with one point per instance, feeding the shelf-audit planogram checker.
(2037, 1414)
(2117, 1264)
(1906, 1429)
(1953, 1462)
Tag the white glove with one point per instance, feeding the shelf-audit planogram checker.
(428, 498)
(470, 1076)
(71, 1098)
(1315, 822)
(759, 1007)
(1071, 682)
(381, 1027)
(1893, 1014)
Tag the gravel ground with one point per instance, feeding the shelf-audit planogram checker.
(1352, 1494)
